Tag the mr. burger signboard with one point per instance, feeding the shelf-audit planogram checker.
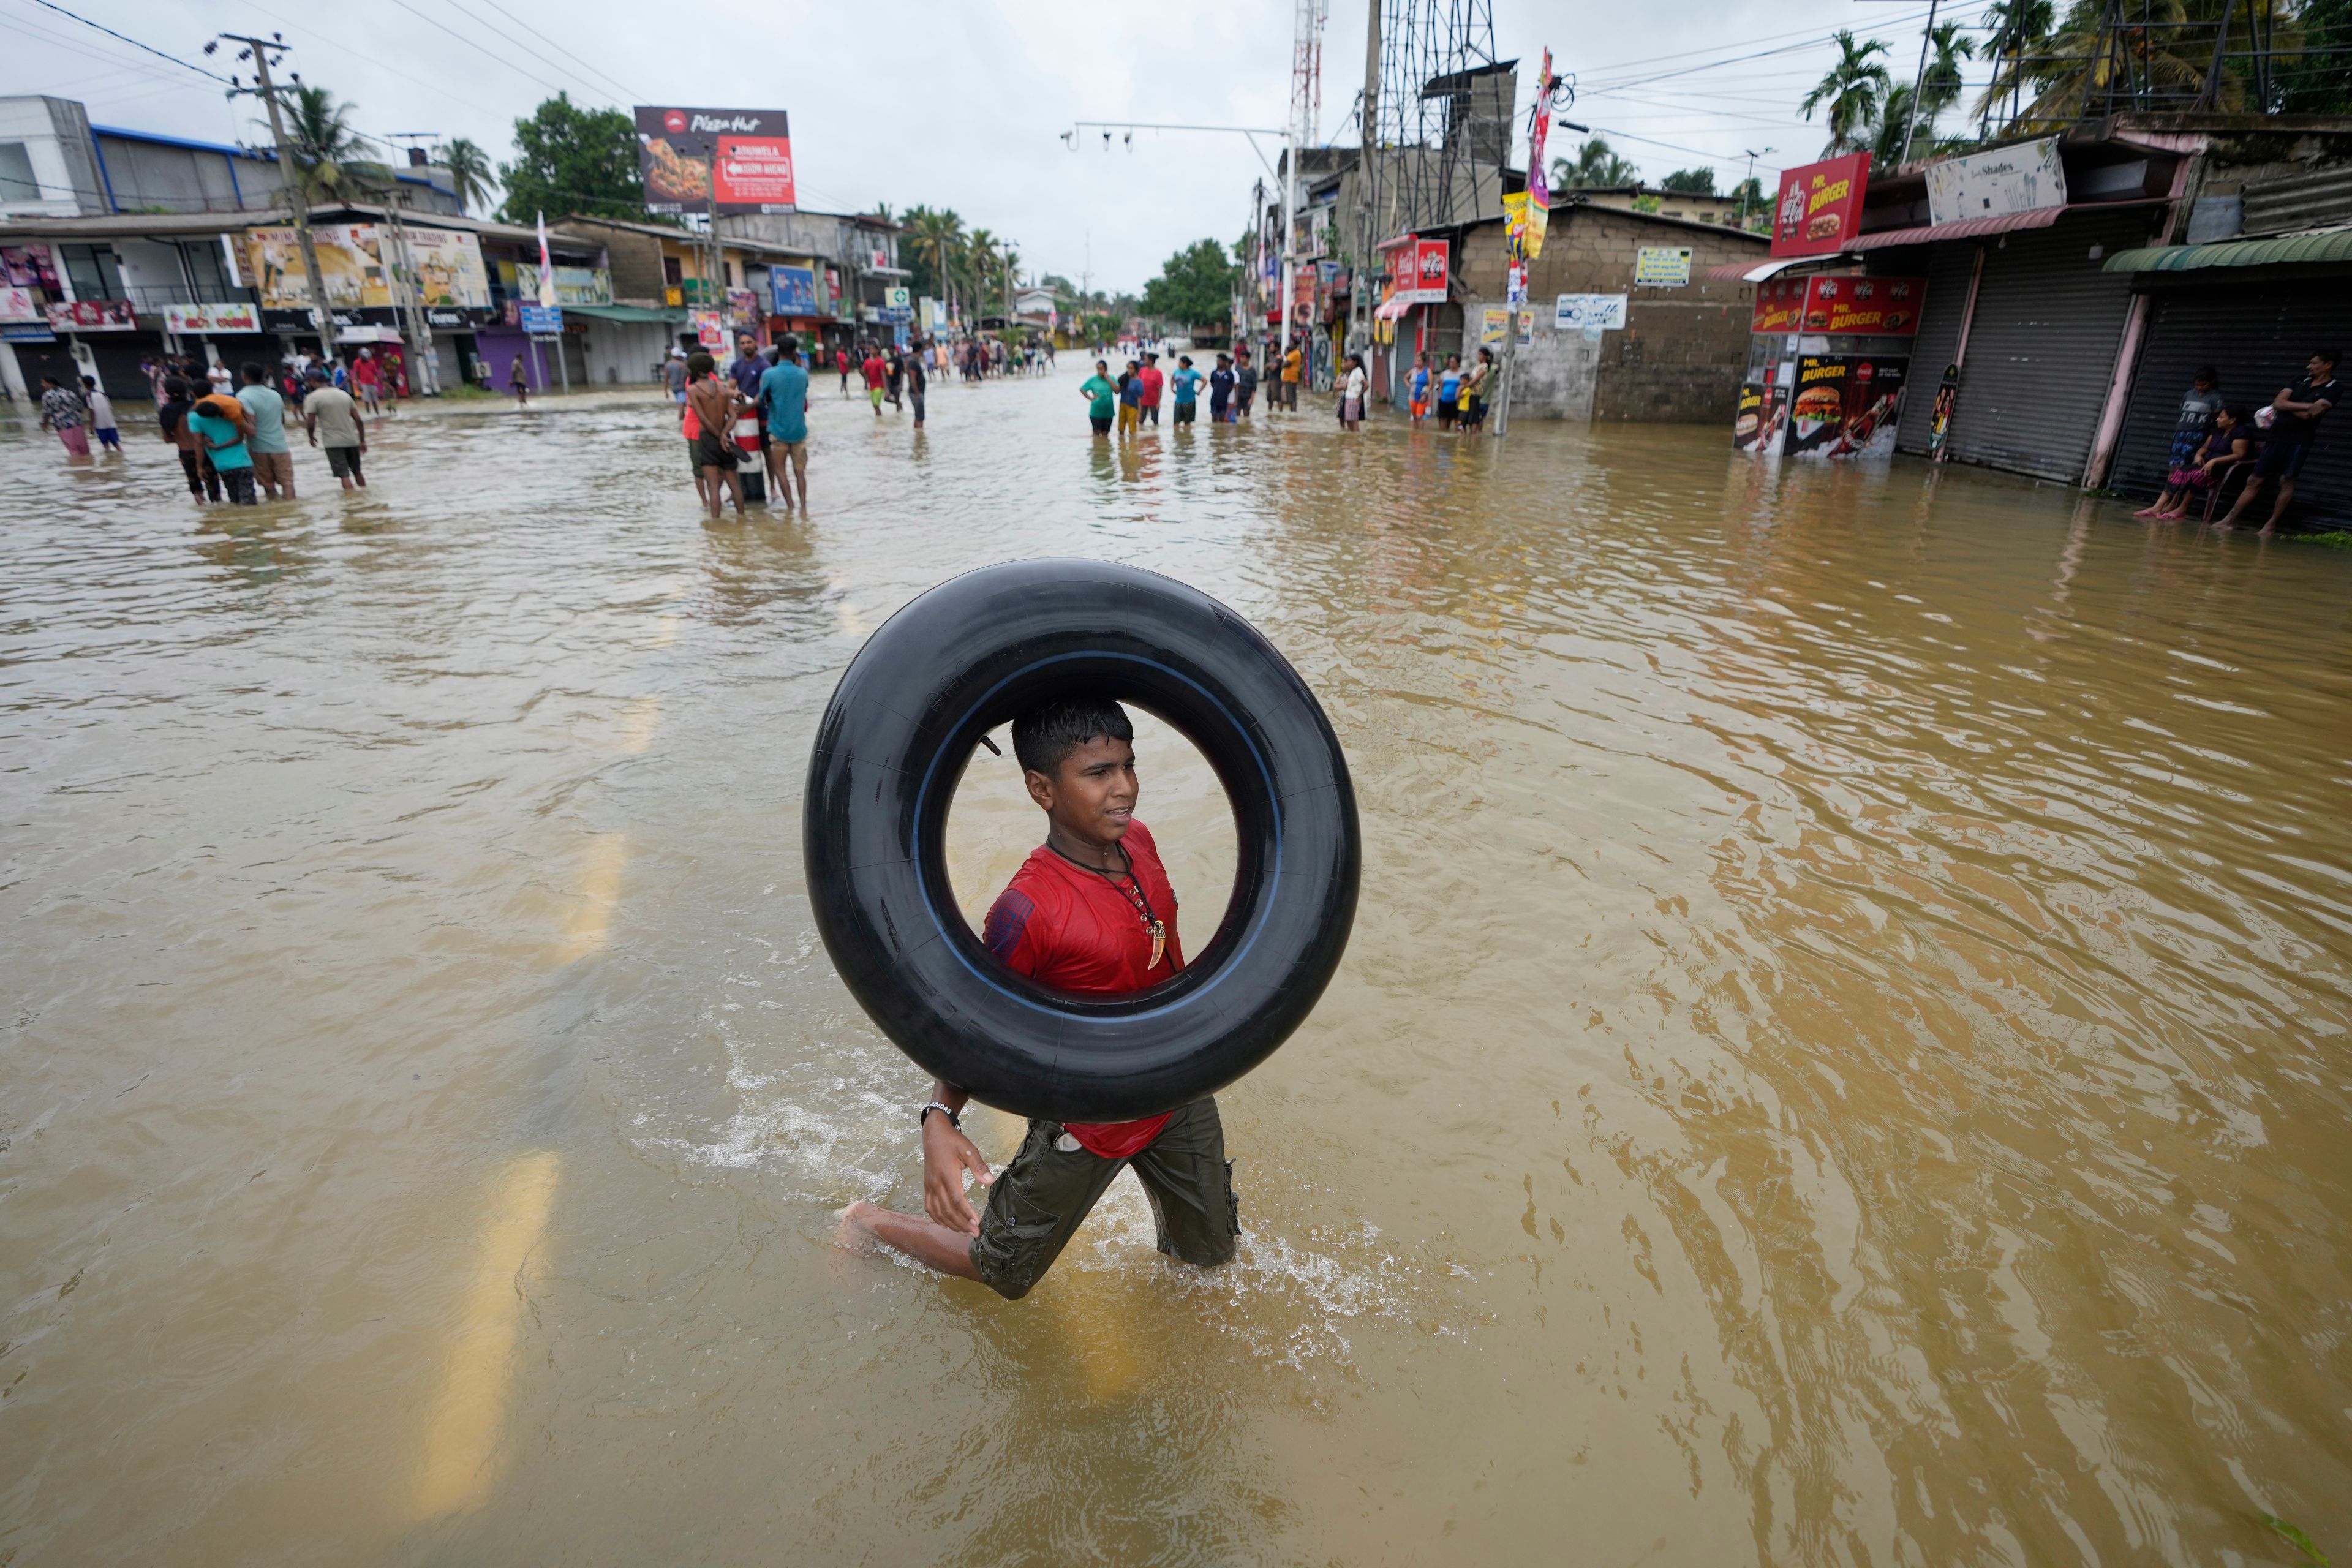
(1820, 206)
(745, 154)
(1877, 307)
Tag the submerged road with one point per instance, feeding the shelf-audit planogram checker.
(1844, 1057)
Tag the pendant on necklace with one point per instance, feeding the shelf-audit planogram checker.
(1158, 944)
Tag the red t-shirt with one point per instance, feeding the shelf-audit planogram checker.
(1152, 380)
(366, 373)
(1075, 929)
(874, 371)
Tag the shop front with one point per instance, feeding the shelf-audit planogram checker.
(1829, 365)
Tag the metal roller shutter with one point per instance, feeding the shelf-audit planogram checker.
(2041, 352)
(1946, 271)
(2256, 334)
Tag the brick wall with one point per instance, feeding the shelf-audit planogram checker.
(1682, 353)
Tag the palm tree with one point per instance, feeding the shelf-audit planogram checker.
(938, 234)
(1940, 88)
(469, 172)
(330, 158)
(980, 262)
(1596, 164)
(1855, 89)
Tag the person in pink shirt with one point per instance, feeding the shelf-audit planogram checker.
(1153, 380)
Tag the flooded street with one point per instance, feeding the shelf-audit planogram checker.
(1843, 1059)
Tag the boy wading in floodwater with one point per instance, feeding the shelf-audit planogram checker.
(1091, 911)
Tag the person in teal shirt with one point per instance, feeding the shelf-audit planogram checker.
(1187, 382)
(1102, 395)
(783, 404)
(218, 423)
(265, 410)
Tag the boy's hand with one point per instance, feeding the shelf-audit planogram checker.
(947, 1155)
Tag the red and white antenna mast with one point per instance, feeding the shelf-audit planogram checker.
(1305, 109)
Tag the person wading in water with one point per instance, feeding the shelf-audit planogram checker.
(1091, 911)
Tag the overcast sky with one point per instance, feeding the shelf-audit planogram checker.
(963, 104)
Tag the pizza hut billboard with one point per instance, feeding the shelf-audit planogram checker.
(1880, 307)
(747, 153)
(1819, 208)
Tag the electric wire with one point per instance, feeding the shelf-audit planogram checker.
(52, 5)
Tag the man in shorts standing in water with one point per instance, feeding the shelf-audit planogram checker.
(1091, 911)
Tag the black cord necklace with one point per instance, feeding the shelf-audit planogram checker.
(1131, 886)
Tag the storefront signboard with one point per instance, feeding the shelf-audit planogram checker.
(747, 152)
(2021, 179)
(793, 288)
(1822, 308)
(27, 333)
(1494, 321)
(1763, 413)
(92, 316)
(17, 305)
(28, 267)
(1846, 406)
(1661, 267)
(230, 317)
(1602, 312)
(710, 331)
(540, 320)
(443, 316)
(1421, 278)
(354, 261)
(1819, 208)
(573, 285)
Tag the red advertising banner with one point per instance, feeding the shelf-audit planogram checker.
(1429, 263)
(755, 172)
(1820, 205)
(1882, 307)
(1780, 305)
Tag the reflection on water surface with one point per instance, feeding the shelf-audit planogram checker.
(1841, 1059)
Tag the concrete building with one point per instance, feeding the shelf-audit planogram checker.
(1680, 356)
(858, 254)
(1716, 209)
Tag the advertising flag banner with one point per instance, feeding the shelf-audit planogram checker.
(2021, 179)
(212, 317)
(1846, 406)
(1819, 208)
(1539, 184)
(1661, 267)
(92, 316)
(748, 151)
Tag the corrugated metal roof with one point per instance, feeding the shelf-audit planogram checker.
(2325, 245)
(1966, 228)
(2299, 203)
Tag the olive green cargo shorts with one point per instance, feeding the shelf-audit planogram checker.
(1039, 1200)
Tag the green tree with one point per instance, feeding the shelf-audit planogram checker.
(2321, 83)
(1854, 91)
(934, 243)
(1194, 287)
(331, 159)
(1690, 182)
(469, 171)
(1595, 164)
(2061, 70)
(573, 159)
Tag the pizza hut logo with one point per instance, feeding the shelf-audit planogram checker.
(675, 122)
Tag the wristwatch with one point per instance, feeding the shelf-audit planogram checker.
(923, 1116)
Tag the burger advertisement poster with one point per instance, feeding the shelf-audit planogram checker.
(1819, 208)
(1878, 307)
(1846, 406)
(1763, 415)
(747, 153)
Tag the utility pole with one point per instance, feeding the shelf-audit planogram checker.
(1752, 155)
(1911, 121)
(290, 180)
(412, 311)
(1368, 143)
(1306, 95)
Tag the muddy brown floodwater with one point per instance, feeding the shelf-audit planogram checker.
(1843, 1058)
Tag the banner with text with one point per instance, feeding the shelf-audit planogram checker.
(1881, 307)
(745, 154)
(1820, 205)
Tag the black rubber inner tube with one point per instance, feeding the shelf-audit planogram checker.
(972, 653)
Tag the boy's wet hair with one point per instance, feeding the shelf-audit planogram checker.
(1043, 736)
(699, 363)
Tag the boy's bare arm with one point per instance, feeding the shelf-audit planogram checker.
(947, 1155)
